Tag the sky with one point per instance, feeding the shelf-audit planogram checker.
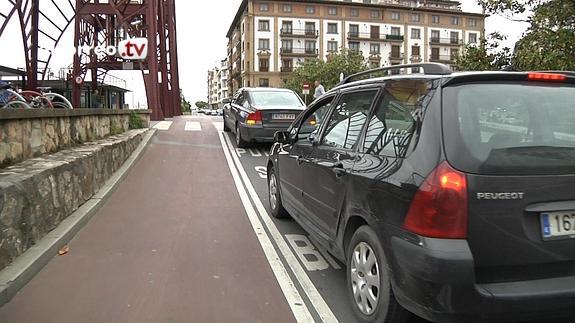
(201, 32)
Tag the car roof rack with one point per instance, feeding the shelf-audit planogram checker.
(428, 69)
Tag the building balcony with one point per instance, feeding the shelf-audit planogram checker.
(396, 56)
(311, 52)
(374, 57)
(442, 59)
(446, 41)
(299, 33)
(416, 59)
(286, 69)
(374, 37)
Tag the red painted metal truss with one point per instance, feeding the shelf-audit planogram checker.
(106, 24)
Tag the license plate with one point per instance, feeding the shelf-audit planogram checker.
(283, 116)
(558, 225)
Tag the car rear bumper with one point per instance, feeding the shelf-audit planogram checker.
(435, 279)
(260, 134)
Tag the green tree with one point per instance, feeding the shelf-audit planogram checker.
(486, 56)
(185, 105)
(327, 72)
(548, 43)
(201, 104)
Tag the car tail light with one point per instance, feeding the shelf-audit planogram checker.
(254, 118)
(439, 208)
(549, 77)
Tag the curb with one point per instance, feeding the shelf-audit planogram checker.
(26, 266)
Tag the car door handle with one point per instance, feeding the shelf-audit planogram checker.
(338, 169)
(300, 160)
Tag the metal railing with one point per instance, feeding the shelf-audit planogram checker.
(374, 36)
(286, 69)
(442, 58)
(446, 41)
(287, 32)
(396, 56)
(299, 51)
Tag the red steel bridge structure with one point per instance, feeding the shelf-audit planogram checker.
(44, 23)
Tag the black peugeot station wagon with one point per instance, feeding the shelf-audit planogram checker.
(448, 195)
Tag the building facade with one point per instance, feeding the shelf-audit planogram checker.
(269, 38)
(218, 84)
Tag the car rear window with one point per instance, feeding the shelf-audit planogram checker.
(270, 98)
(510, 128)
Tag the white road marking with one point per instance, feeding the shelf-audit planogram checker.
(163, 125)
(307, 285)
(262, 171)
(306, 252)
(293, 297)
(255, 152)
(240, 151)
(193, 126)
(219, 126)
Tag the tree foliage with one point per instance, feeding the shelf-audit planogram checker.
(201, 104)
(548, 43)
(327, 72)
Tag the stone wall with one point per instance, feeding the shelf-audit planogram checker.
(30, 133)
(37, 194)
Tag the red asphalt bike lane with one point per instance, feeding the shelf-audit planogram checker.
(172, 244)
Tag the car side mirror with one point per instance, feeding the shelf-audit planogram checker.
(227, 100)
(283, 137)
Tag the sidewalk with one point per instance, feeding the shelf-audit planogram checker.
(173, 244)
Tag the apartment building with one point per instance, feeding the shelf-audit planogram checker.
(269, 38)
(218, 84)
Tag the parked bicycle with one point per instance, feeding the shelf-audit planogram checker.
(46, 99)
(10, 99)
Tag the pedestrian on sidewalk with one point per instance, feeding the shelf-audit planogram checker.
(319, 89)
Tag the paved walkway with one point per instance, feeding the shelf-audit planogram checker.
(173, 244)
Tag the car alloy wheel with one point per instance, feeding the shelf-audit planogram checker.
(273, 192)
(365, 278)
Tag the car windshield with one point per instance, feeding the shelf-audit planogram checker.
(278, 98)
(511, 128)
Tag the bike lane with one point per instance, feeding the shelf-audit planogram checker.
(172, 244)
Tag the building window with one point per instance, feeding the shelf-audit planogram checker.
(415, 33)
(332, 46)
(374, 32)
(455, 21)
(264, 82)
(472, 22)
(415, 51)
(415, 70)
(264, 64)
(395, 31)
(264, 25)
(264, 7)
(415, 17)
(310, 47)
(454, 37)
(287, 45)
(287, 8)
(310, 10)
(310, 28)
(332, 11)
(332, 28)
(435, 53)
(353, 30)
(264, 44)
(435, 19)
(395, 51)
(287, 65)
(354, 46)
(472, 38)
(395, 15)
(435, 36)
(287, 27)
(374, 14)
(354, 12)
(374, 48)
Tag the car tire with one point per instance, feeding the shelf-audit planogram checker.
(226, 128)
(368, 280)
(274, 195)
(240, 142)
